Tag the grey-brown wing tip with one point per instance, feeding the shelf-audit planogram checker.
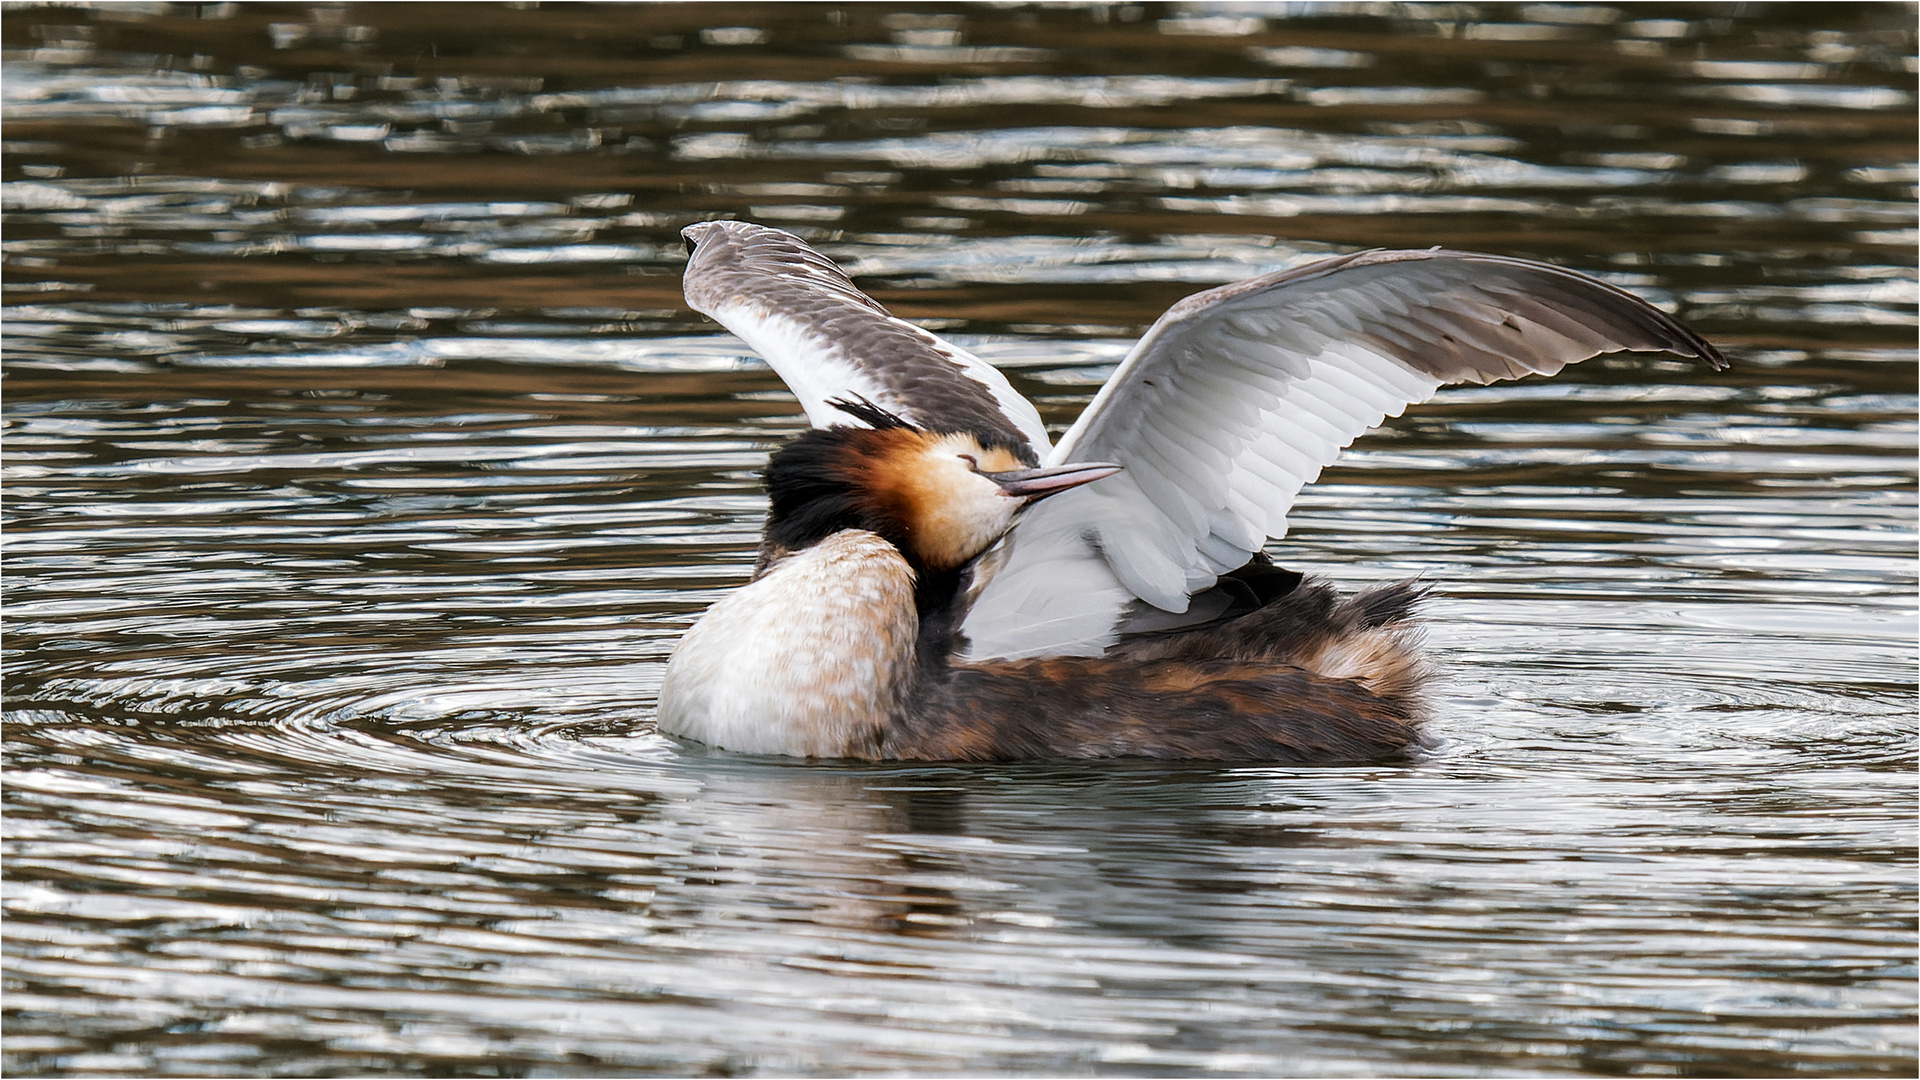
(1582, 308)
(725, 258)
(1625, 312)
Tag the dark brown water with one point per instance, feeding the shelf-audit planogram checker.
(364, 467)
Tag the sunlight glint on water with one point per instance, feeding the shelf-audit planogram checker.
(363, 467)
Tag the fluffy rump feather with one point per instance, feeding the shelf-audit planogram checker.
(1309, 676)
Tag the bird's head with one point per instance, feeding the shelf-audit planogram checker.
(942, 498)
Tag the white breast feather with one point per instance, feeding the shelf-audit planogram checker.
(807, 661)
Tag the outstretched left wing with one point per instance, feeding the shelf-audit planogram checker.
(827, 340)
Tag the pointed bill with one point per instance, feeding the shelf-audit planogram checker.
(1035, 484)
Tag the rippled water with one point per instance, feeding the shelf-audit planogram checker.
(364, 466)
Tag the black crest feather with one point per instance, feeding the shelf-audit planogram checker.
(813, 491)
(870, 414)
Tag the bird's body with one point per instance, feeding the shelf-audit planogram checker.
(823, 656)
(914, 598)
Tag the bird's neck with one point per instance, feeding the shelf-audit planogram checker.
(814, 658)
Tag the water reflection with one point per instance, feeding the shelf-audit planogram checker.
(364, 465)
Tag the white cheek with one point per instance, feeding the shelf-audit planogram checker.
(986, 513)
(979, 512)
(962, 512)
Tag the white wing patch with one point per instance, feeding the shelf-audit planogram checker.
(813, 369)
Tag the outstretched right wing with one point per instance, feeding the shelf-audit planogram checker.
(1240, 395)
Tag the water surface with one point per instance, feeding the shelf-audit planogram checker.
(364, 466)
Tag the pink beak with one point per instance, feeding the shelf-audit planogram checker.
(1034, 484)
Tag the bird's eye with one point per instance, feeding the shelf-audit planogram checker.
(972, 462)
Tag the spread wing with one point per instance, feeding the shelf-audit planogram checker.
(827, 340)
(1239, 396)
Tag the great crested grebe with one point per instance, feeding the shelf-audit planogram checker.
(915, 598)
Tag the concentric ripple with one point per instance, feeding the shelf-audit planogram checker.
(351, 747)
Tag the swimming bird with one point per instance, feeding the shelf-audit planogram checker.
(937, 580)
